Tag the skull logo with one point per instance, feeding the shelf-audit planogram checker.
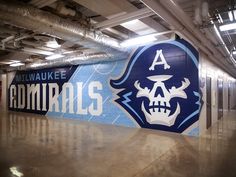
(159, 86)
(159, 108)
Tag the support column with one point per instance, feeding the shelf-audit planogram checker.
(4, 100)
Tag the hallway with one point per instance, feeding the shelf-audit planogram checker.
(36, 146)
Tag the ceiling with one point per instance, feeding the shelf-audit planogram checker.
(43, 33)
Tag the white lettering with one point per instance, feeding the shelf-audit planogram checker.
(80, 109)
(21, 96)
(13, 96)
(53, 97)
(44, 97)
(95, 110)
(33, 90)
(161, 62)
(70, 88)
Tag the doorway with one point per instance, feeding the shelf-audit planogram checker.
(220, 98)
(208, 101)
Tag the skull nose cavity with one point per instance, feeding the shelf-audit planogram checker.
(159, 91)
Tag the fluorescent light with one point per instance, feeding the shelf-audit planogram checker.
(234, 52)
(17, 64)
(228, 27)
(231, 18)
(132, 22)
(54, 56)
(234, 14)
(138, 41)
(16, 172)
(219, 36)
(35, 65)
(221, 20)
(53, 44)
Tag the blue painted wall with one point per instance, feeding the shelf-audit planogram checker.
(156, 88)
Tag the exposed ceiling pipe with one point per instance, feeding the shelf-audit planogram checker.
(187, 22)
(206, 40)
(28, 17)
(80, 59)
(37, 51)
(6, 40)
(176, 20)
(203, 15)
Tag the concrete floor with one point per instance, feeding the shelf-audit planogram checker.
(34, 146)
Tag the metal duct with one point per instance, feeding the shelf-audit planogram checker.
(28, 17)
(81, 59)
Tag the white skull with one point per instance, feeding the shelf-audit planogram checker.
(159, 106)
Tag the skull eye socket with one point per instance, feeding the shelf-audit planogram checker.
(159, 91)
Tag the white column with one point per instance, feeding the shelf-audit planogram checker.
(4, 101)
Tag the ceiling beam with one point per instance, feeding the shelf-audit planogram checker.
(114, 7)
(138, 14)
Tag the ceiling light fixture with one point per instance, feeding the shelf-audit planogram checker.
(234, 52)
(228, 27)
(138, 41)
(15, 171)
(234, 14)
(35, 65)
(54, 56)
(53, 44)
(17, 64)
(142, 40)
(220, 18)
(221, 40)
(230, 14)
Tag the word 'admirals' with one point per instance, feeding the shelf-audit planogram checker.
(51, 97)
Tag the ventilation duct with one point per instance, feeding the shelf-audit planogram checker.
(80, 59)
(26, 16)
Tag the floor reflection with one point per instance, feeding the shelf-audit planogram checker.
(37, 146)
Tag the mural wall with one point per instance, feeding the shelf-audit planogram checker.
(156, 88)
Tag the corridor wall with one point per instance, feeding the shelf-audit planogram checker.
(157, 88)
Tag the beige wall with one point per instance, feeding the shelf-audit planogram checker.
(207, 68)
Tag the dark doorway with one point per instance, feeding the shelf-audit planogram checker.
(208, 101)
(220, 98)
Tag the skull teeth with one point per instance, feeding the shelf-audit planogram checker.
(160, 104)
(160, 110)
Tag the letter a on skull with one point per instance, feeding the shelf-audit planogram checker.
(159, 88)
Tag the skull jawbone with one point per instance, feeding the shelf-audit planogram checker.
(161, 118)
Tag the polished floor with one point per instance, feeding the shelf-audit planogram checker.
(34, 146)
